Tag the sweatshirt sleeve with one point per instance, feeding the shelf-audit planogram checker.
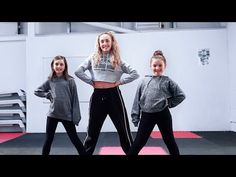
(135, 113)
(80, 72)
(76, 116)
(43, 91)
(177, 95)
(126, 68)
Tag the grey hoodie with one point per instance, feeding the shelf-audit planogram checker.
(105, 72)
(154, 94)
(64, 98)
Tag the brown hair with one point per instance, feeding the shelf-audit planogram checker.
(65, 72)
(158, 55)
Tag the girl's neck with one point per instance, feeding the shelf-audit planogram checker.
(59, 75)
(156, 75)
(106, 54)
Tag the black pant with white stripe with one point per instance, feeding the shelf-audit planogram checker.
(105, 102)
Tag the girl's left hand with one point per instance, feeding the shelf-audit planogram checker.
(117, 83)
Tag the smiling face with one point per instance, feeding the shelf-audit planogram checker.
(59, 67)
(105, 43)
(157, 66)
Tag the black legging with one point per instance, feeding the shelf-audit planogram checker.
(148, 120)
(71, 131)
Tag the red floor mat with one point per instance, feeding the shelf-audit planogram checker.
(9, 136)
(177, 134)
(145, 151)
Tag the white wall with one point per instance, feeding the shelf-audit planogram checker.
(232, 63)
(13, 65)
(206, 107)
(8, 28)
(51, 27)
(195, 25)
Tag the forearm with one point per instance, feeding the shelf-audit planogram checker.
(41, 93)
(80, 73)
(174, 101)
(132, 76)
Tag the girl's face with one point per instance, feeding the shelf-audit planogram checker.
(59, 67)
(105, 43)
(157, 67)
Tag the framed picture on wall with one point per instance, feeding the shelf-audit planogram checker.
(204, 55)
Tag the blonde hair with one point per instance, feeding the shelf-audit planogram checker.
(158, 54)
(114, 52)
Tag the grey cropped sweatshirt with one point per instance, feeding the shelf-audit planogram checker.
(63, 97)
(154, 94)
(105, 72)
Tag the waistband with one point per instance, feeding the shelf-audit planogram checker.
(106, 89)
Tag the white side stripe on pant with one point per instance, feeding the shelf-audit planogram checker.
(125, 118)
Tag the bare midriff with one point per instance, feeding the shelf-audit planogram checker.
(102, 84)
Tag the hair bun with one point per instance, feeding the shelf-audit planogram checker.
(158, 52)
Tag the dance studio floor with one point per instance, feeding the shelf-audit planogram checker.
(190, 143)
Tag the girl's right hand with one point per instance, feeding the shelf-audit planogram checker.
(49, 96)
(93, 85)
(117, 83)
(135, 124)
